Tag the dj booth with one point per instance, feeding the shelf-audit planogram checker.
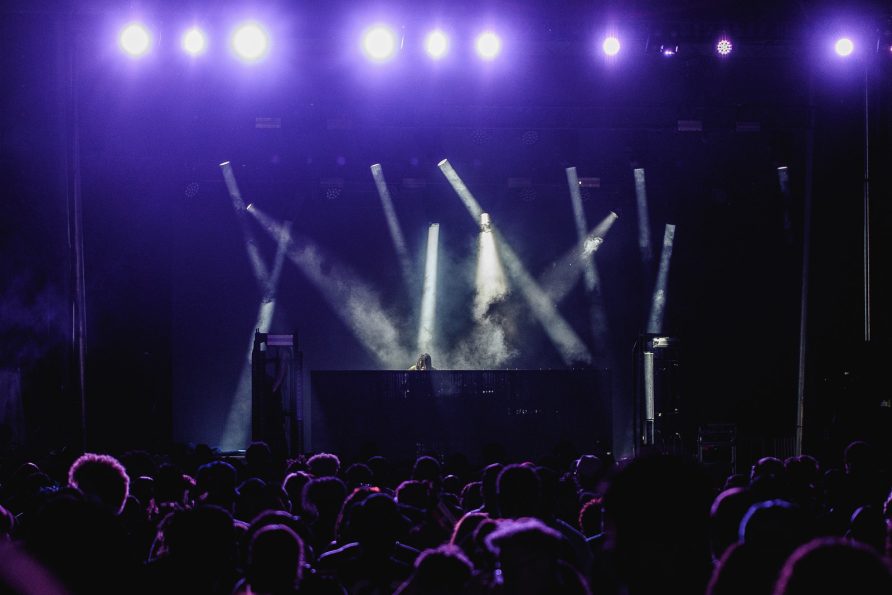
(402, 414)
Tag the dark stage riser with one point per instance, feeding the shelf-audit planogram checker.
(402, 414)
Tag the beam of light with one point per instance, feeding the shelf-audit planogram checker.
(590, 244)
(429, 291)
(351, 299)
(250, 42)
(488, 345)
(588, 263)
(489, 282)
(658, 303)
(379, 43)
(643, 218)
(238, 203)
(488, 45)
(393, 225)
(566, 341)
(611, 46)
(237, 431)
(559, 279)
(135, 39)
(844, 47)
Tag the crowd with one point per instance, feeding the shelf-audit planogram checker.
(146, 523)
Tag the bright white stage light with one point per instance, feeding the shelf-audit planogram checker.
(643, 217)
(658, 302)
(562, 336)
(611, 46)
(436, 44)
(490, 282)
(844, 47)
(250, 42)
(379, 43)
(429, 293)
(135, 39)
(488, 45)
(724, 47)
(194, 41)
(393, 225)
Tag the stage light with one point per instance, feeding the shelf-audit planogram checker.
(724, 47)
(490, 282)
(611, 46)
(393, 225)
(668, 49)
(379, 43)
(561, 334)
(643, 218)
(135, 39)
(194, 41)
(658, 302)
(429, 291)
(488, 45)
(844, 47)
(436, 44)
(250, 42)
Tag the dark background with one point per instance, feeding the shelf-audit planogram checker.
(171, 299)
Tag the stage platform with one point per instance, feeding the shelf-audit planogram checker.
(401, 414)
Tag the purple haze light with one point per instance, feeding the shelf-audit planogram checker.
(611, 46)
(488, 45)
(135, 39)
(844, 47)
(436, 44)
(724, 47)
(250, 42)
(194, 41)
(379, 43)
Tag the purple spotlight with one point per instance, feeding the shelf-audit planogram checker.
(724, 47)
(488, 45)
(194, 41)
(436, 44)
(844, 47)
(135, 39)
(379, 43)
(611, 46)
(250, 42)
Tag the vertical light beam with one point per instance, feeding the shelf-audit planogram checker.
(658, 303)
(429, 292)
(393, 225)
(489, 283)
(566, 341)
(236, 432)
(643, 218)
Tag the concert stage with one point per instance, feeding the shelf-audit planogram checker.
(402, 414)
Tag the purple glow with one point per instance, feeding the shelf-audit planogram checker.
(194, 41)
(436, 44)
(611, 46)
(668, 50)
(488, 45)
(724, 47)
(844, 47)
(135, 39)
(379, 43)
(250, 42)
